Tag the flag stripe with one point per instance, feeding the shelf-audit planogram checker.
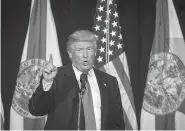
(37, 31)
(34, 124)
(16, 120)
(102, 69)
(147, 120)
(124, 62)
(127, 87)
(52, 46)
(179, 121)
(181, 107)
(37, 48)
(127, 122)
(124, 97)
(2, 123)
(161, 44)
(166, 122)
(124, 79)
(177, 47)
(161, 37)
(2, 112)
(175, 30)
(177, 43)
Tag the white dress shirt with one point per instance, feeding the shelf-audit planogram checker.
(95, 94)
(94, 90)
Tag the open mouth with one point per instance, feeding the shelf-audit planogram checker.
(85, 63)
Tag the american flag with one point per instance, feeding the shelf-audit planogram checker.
(111, 57)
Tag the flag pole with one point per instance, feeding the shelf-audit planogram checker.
(107, 36)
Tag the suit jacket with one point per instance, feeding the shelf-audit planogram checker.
(60, 103)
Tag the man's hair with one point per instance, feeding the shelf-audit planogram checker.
(80, 36)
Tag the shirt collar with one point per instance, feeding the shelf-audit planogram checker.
(78, 73)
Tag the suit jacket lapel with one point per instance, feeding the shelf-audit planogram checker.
(104, 99)
(73, 87)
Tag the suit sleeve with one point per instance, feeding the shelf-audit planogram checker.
(116, 119)
(42, 102)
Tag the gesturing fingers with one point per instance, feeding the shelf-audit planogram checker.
(49, 68)
(51, 59)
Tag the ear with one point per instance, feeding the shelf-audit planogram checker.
(70, 54)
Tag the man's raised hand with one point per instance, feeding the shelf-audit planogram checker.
(50, 70)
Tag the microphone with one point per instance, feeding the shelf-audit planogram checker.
(83, 80)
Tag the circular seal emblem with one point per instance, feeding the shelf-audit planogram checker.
(165, 85)
(28, 80)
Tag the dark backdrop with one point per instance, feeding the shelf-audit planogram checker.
(137, 18)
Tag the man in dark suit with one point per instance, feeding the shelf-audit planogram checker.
(61, 90)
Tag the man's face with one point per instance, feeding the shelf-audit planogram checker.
(82, 55)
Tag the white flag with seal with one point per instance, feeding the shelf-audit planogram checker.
(41, 41)
(164, 97)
